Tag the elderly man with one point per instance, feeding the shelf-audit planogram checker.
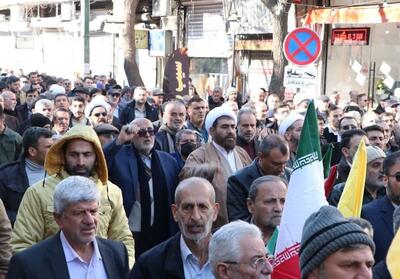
(138, 108)
(216, 99)
(374, 179)
(61, 119)
(17, 176)
(229, 158)
(5, 236)
(290, 129)
(173, 121)
(266, 199)
(237, 251)
(271, 160)
(77, 152)
(196, 109)
(246, 132)
(97, 111)
(75, 251)
(147, 178)
(332, 247)
(10, 142)
(184, 255)
(9, 103)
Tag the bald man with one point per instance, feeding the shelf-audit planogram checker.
(184, 255)
(147, 178)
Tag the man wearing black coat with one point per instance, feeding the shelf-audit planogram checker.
(185, 255)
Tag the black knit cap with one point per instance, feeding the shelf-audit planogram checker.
(325, 232)
(39, 120)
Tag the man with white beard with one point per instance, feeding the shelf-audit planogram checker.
(184, 255)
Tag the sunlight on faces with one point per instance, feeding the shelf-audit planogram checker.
(80, 157)
(77, 108)
(224, 132)
(195, 210)
(174, 116)
(144, 144)
(247, 127)
(79, 222)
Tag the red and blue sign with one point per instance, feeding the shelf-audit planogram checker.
(302, 46)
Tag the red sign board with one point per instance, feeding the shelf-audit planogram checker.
(350, 36)
(302, 46)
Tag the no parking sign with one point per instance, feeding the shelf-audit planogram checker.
(302, 46)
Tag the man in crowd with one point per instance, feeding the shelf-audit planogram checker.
(17, 176)
(5, 236)
(374, 179)
(271, 160)
(332, 247)
(97, 111)
(216, 99)
(147, 178)
(157, 100)
(61, 121)
(77, 152)
(138, 108)
(9, 104)
(61, 101)
(10, 142)
(77, 109)
(229, 158)
(237, 251)
(246, 132)
(75, 251)
(45, 107)
(185, 255)
(106, 133)
(331, 131)
(186, 142)
(380, 212)
(196, 110)
(265, 203)
(290, 129)
(173, 121)
(24, 111)
(375, 136)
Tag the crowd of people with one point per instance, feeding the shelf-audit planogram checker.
(103, 181)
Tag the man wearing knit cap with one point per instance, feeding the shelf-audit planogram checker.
(374, 179)
(332, 247)
(290, 129)
(222, 150)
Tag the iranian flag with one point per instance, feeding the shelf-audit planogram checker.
(305, 196)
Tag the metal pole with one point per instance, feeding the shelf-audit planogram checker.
(233, 82)
(85, 12)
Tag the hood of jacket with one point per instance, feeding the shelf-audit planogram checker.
(54, 162)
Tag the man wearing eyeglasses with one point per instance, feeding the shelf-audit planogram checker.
(97, 110)
(147, 178)
(380, 212)
(237, 250)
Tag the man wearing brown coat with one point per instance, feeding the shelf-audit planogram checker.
(5, 237)
(221, 151)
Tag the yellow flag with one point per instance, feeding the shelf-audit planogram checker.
(350, 202)
(393, 257)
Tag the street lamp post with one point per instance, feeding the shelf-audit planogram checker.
(85, 12)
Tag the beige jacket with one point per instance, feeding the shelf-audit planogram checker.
(35, 221)
(5, 236)
(208, 154)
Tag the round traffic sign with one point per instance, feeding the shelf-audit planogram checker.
(302, 46)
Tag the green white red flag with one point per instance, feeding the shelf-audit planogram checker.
(305, 196)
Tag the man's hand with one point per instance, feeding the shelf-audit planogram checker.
(127, 133)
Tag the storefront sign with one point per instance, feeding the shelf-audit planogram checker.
(254, 42)
(350, 36)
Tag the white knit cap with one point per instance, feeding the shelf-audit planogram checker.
(216, 113)
(373, 153)
(97, 101)
(56, 89)
(288, 121)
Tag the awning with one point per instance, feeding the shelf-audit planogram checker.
(355, 15)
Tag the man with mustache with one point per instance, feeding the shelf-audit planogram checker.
(77, 152)
(222, 150)
(246, 132)
(148, 179)
(265, 203)
(185, 255)
(173, 120)
(196, 109)
(74, 251)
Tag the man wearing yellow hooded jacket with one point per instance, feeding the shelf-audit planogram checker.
(77, 152)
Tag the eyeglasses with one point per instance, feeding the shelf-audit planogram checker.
(98, 114)
(143, 132)
(115, 95)
(396, 176)
(349, 127)
(258, 263)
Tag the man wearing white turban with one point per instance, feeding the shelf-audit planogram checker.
(222, 151)
(290, 129)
